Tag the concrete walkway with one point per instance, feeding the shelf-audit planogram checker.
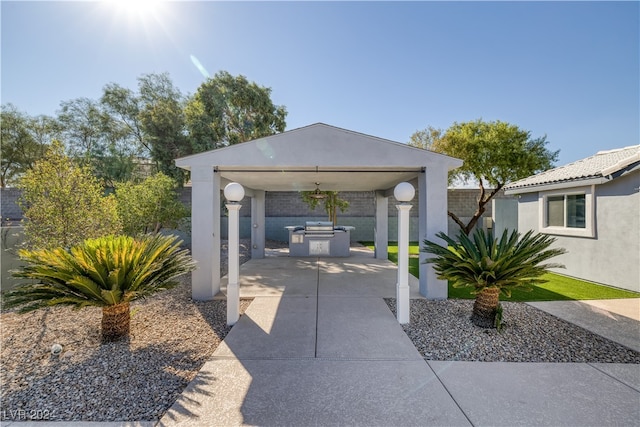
(614, 319)
(318, 346)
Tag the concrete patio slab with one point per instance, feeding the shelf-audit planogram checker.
(626, 373)
(628, 307)
(542, 394)
(367, 277)
(290, 276)
(361, 328)
(273, 327)
(591, 316)
(276, 276)
(327, 393)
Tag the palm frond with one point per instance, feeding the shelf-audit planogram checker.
(100, 272)
(482, 261)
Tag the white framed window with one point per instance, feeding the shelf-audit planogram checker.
(567, 212)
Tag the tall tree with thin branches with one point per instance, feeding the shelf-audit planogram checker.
(494, 154)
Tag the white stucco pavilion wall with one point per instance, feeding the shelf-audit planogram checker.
(295, 160)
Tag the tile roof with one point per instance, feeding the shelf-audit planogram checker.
(600, 165)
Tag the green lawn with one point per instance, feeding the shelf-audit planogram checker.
(557, 288)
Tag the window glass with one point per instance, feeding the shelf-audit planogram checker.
(555, 211)
(567, 212)
(576, 211)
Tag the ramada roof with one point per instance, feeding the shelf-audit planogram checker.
(597, 169)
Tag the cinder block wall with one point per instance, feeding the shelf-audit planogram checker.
(9, 206)
(464, 202)
(287, 208)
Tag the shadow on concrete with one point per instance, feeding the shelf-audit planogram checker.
(297, 357)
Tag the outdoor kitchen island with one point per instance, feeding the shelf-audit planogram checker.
(319, 238)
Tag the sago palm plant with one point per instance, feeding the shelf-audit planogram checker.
(107, 272)
(492, 266)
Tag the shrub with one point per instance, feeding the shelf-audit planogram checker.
(63, 203)
(150, 205)
(492, 266)
(107, 272)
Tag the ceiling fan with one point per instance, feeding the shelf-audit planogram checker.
(317, 194)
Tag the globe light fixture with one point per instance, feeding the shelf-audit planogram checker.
(233, 192)
(404, 192)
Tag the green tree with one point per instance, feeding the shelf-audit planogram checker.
(45, 130)
(108, 272)
(151, 122)
(163, 122)
(331, 202)
(83, 125)
(124, 107)
(21, 146)
(150, 205)
(99, 140)
(492, 266)
(494, 154)
(63, 203)
(114, 163)
(127, 153)
(227, 110)
(425, 138)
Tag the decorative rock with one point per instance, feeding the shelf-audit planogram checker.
(171, 338)
(442, 330)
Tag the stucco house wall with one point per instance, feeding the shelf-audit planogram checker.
(612, 256)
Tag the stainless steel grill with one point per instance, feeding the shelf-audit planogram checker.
(319, 238)
(319, 228)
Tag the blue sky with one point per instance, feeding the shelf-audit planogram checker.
(569, 70)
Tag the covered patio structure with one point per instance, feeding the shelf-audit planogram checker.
(295, 160)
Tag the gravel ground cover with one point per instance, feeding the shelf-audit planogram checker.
(442, 330)
(172, 336)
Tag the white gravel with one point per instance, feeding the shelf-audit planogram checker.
(442, 330)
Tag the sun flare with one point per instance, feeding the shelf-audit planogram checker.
(136, 8)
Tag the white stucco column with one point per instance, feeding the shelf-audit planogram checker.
(403, 192)
(257, 224)
(205, 232)
(234, 193)
(381, 228)
(432, 207)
